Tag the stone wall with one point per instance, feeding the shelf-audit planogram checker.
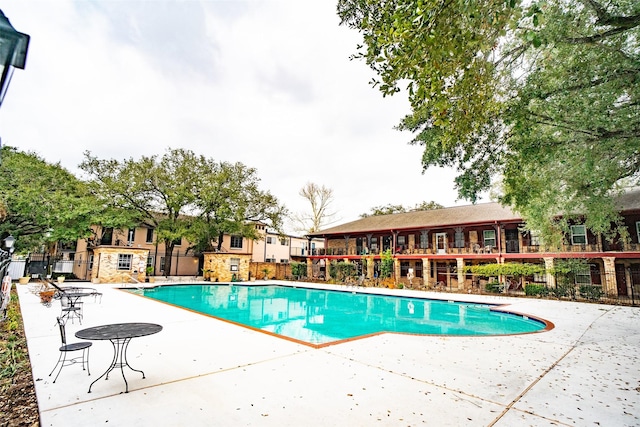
(105, 265)
(217, 266)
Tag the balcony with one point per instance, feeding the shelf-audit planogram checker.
(510, 247)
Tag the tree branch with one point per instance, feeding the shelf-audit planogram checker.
(620, 24)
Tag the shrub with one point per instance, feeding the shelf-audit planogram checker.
(536, 290)
(299, 269)
(590, 292)
(339, 271)
(493, 287)
(564, 290)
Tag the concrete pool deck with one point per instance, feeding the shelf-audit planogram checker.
(202, 371)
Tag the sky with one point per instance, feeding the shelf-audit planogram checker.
(268, 83)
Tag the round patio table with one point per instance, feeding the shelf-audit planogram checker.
(120, 334)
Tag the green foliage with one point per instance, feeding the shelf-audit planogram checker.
(299, 269)
(566, 269)
(564, 290)
(384, 210)
(493, 287)
(41, 203)
(158, 189)
(229, 201)
(13, 347)
(339, 271)
(541, 96)
(591, 292)
(220, 197)
(506, 269)
(386, 264)
(536, 290)
(394, 209)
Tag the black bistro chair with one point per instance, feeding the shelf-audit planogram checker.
(69, 309)
(67, 348)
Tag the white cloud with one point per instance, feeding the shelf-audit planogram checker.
(267, 83)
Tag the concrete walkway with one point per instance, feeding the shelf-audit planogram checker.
(204, 372)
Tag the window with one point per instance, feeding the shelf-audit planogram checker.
(424, 240)
(401, 240)
(374, 244)
(149, 235)
(539, 278)
(284, 261)
(489, 237)
(91, 262)
(270, 260)
(284, 242)
(107, 236)
(269, 240)
(459, 239)
(150, 261)
(124, 261)
(638, 230)
(235, 264)
(131, 236)
(236, 242)
(583, 276)
(578, 235)
(162, 264)
(535, 238)
(178, 241)
(404, 268)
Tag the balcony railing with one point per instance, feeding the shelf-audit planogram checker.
(477, 249)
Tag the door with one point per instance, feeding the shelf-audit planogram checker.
(621, 280)
(511, 240)
(441, 243)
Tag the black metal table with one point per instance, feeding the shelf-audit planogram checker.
(120, 334)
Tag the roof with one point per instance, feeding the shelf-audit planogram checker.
(457, 215)
(629, 201)
(452, 216)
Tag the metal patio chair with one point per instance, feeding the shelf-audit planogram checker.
(67, 348)
(70, 309)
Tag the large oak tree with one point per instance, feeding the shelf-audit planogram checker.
(43, 203)
(182, 194)
(540, 96)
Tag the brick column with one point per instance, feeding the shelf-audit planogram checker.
(426, 272)
(551, 279)
(370, 263)
(396, 269)
(309, 268)
(462, 283)
(610, 280)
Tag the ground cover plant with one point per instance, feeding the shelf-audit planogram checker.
(18, 404)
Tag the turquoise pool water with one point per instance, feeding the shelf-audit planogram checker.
(319, 316)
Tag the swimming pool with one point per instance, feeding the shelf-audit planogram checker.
(320, 317)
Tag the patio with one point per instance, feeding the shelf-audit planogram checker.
(202, 372)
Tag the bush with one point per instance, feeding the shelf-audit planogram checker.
(590, 292)
(299, 269)
(493, 287)
(564, 290)
(536, 290)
